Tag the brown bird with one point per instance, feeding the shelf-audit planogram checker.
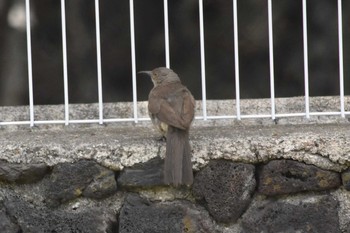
(171, 108)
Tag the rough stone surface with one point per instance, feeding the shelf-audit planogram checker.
(32, 219)
(225, 188)
(287, 176)
(343, 197)
(22, 173)
(142, 175)
(83, 178)
(294, 214)
(117, 146)
(103, 185)
(7, 225)
(139, 215)
(346, 179)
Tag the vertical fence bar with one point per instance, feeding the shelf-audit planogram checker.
(99, 70)
(341, 58)
(201, 29)
(30, 67)
(306, 62)
(166, 34)
(235, 35)
(65, 72)
(133, 58)
(272, 69)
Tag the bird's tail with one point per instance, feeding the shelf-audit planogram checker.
(178, 165)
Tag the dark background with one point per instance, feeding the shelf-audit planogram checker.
(184, 49)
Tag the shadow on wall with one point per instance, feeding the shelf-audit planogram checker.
(184, 46)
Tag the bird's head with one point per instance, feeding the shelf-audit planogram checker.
(162, 75)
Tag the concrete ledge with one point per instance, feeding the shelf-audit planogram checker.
(323, 141)
(326, 146)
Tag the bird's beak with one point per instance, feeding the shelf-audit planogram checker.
(149, 73)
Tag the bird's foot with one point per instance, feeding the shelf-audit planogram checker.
(161, 139)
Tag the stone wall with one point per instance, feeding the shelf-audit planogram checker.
(250, 176)
(279, 196)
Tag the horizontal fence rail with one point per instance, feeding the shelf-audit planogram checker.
(135, 118)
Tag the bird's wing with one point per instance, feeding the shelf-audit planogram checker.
(187, 108)
(176, 108)
(168, 115)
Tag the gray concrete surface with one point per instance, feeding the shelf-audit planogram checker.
(327, 145)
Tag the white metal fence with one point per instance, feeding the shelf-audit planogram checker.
(135, 118)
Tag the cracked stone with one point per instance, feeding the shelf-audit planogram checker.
(7, 225)
(139, 215)
(83, 178)
(288, 176)
(22, 173)
(225, 188)
(293, 214)
(346, 180)
(142, 175)
(33, 219)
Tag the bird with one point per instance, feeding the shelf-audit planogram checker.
(171, 108)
